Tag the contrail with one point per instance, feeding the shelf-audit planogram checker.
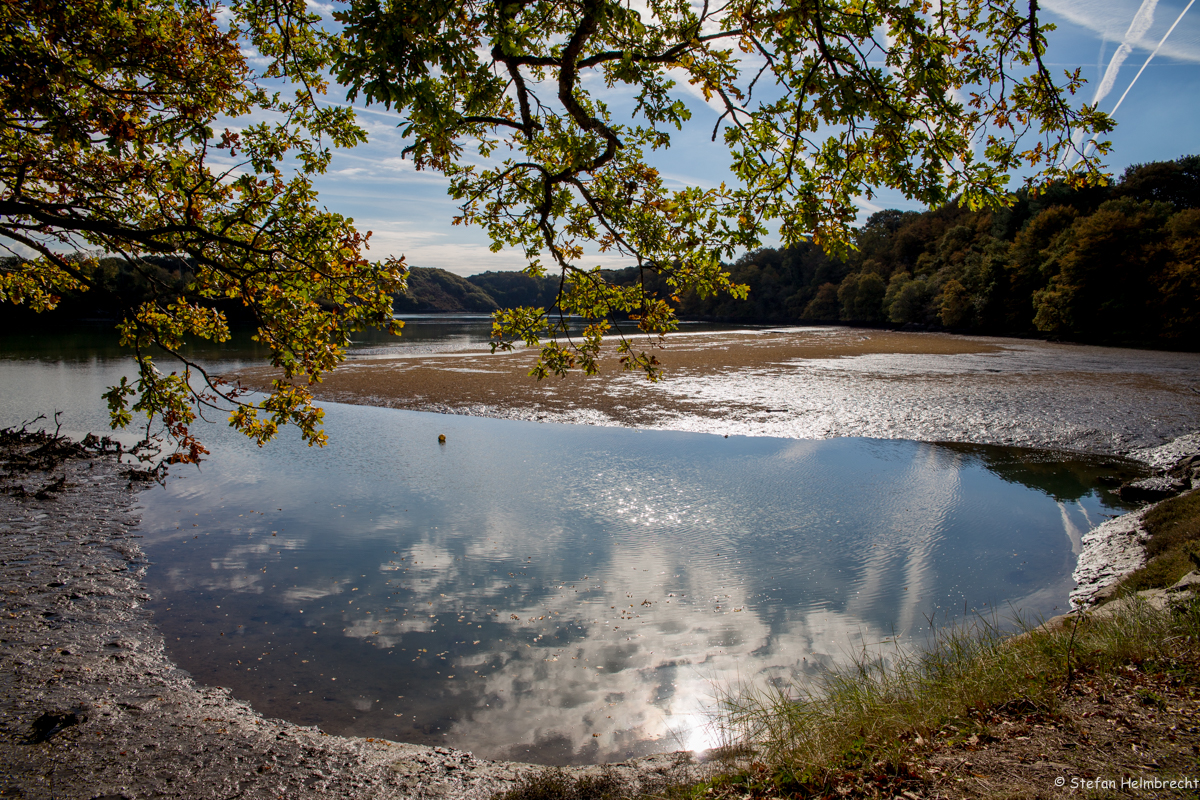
(1152, 55)
(1138, 26)
(1141, 23)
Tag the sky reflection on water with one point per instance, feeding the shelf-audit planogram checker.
(560, 593)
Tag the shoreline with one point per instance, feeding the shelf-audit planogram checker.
(94, 707)
(86, 671)
(1117, 547)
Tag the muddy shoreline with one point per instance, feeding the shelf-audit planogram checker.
(815, 383)
(94, 708)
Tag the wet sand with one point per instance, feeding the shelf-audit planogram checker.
(817, 383)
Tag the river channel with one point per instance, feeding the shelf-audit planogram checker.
(572, 593)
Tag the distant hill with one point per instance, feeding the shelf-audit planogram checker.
(436, 290)
(433, 290)
(513, 289)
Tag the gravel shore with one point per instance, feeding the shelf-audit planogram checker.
(92, 706)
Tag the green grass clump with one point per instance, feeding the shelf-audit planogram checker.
(1173, 549)
(1159, 573)
(553, 783)
(1173, 523)
(874, 714)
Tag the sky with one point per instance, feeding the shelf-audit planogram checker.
(410, 213)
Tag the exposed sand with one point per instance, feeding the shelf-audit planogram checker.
(817, 383)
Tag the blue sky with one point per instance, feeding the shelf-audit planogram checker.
(1159, 119)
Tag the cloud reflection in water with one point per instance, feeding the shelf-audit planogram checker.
(556, 594)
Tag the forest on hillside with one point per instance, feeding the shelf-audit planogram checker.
(1116, 264)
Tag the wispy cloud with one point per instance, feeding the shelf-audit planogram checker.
(867, 205)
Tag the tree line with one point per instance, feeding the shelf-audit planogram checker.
(1116, 264)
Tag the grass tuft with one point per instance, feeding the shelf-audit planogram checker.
(873, 717)
(678, 782)
(1158, 573)
(555, 784)
(1173, 548)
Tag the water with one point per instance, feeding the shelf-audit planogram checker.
(560, 593)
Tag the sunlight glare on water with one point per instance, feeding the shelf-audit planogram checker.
(558, 593)
(574, 594)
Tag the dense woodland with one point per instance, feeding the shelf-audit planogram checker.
(1118, 264)
(1114, 265)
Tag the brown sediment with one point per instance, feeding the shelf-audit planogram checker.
(815, 383)
(1126, 731)
(481, 381)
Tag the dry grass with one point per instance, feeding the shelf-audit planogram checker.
(864, 720)
(975, 713)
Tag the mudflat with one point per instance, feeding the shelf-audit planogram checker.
(815, 383)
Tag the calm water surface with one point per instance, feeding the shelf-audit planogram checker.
(561, 593)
